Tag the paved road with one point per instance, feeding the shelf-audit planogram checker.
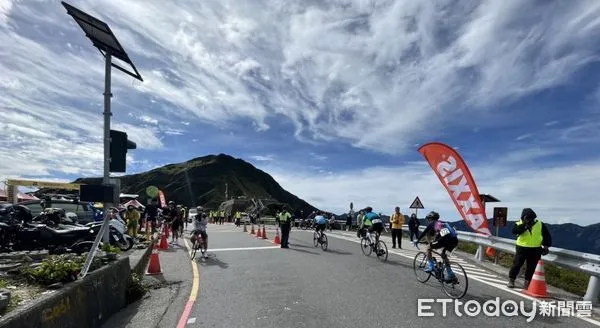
(247, 282)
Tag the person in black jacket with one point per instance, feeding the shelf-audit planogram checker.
(151, 214)
(533, 241)
(413, 226)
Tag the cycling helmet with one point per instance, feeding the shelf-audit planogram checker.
(369, 209)
(171, 202)
(433, 216)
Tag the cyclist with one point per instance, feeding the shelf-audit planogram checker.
(445, 237)
(373, 223)
(320, 222)
(199, 227)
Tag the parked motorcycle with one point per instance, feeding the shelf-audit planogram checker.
(117, 234)
(24, 232)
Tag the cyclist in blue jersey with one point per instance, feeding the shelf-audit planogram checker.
(320, 222)
(445, 237)
(372, 221)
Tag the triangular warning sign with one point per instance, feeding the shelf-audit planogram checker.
(417, 203)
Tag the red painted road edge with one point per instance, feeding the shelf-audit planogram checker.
(185, 315)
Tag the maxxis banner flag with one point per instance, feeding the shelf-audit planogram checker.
(454, 174)
(163, 201)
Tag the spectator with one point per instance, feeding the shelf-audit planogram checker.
(132, 217)
(397, 220)
(413, 226)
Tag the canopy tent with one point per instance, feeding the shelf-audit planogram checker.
(135, 203)
(20, 196)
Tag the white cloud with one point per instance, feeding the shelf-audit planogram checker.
(561, 194)
(329, 68)
(148, 119)
(262, 158)
(523, 137)
(401, 69)
(5, 7)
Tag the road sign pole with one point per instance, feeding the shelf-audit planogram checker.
(107, 114)
(104, 231)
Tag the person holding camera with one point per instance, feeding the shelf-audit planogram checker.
(533, 241)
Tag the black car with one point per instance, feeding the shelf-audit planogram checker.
(84, 213)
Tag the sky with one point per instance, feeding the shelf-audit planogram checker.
(332, 98)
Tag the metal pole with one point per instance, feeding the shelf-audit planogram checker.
(104, 231)
(107, 114)
(592, 290)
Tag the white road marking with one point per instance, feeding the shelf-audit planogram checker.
(481, 280)
(191, 320)
(241, 248)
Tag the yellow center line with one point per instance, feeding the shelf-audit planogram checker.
(196, 276)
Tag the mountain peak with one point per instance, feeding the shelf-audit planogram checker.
(208, 180)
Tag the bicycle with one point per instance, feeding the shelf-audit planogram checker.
(198, 244)
(320, 238)
(379, 247)
(440, 272)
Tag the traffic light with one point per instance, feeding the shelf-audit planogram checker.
(119, 144)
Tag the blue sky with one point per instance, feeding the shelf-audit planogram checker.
(332, 100)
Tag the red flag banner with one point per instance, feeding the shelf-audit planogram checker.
(454, 174)
(163, 201)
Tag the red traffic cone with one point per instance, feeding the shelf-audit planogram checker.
(164, 244)
(537, 285)
(154, 266)
(258, 233)
(264, 233)
(277, 240)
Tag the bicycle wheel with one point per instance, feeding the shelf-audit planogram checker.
(324, 242)
(194, 248)
(316, 239)
(419, 265)
(382, 251)
(366, 248)
(453, 288)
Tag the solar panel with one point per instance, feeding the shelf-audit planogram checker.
(102, 37)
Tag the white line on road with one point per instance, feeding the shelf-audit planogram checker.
(481, 280)
(191, 320)
(241, 248)
(494, 280)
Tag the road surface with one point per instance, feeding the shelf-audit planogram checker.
(250, 282)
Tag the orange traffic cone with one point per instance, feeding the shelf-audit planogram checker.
(264, 233)
(252, 232)
(164, 244)
(490, 252)
(537, 285)
(154, 266)
(258, 233)
(277, 240)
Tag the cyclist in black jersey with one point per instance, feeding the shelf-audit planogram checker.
(445, 238)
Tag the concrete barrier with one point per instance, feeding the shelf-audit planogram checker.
(83, 303)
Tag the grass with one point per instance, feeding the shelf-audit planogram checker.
(567, 279)
(3, 284)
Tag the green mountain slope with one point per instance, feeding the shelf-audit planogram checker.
(202, 181)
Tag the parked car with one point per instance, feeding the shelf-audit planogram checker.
(82, 209)
(191, 213)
